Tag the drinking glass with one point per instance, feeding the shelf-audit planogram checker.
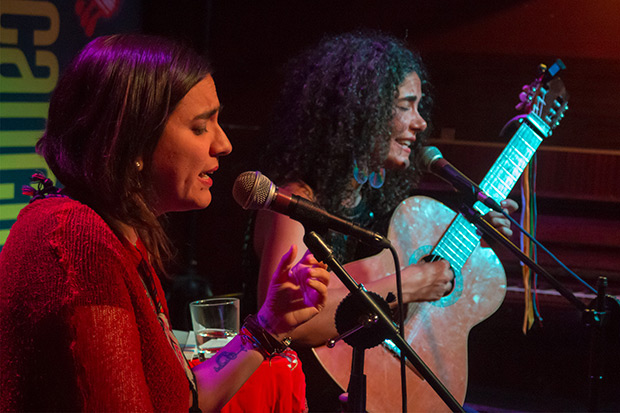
(215, 322)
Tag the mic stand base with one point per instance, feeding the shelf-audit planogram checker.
(602, 318)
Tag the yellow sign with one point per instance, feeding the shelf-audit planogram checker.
(29, 72)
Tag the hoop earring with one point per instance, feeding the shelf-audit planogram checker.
(360, 177)
(377, 179)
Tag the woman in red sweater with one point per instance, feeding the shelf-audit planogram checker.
(132, 134)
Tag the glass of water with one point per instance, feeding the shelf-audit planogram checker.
(215, 322)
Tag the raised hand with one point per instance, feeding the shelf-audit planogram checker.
(296, 293)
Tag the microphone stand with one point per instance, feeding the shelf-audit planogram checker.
(597, 316)
(357, 392)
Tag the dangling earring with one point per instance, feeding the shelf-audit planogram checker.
(377, 179)
(139, 165)
(360, 177)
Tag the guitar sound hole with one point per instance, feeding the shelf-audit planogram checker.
(431, 258)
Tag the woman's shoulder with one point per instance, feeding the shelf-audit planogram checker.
(62, 221)
(59, 211)
(300, 188)
(60, 237)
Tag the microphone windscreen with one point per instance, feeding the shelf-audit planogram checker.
(253, 190)
(429, 155)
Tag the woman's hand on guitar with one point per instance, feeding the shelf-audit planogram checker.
(499, 221)
(427, 281)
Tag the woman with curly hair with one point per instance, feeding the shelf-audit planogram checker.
(336, 114)
(347, 133)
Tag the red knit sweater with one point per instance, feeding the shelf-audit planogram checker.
(77, 330)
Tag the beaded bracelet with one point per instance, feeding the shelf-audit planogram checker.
(262, 340)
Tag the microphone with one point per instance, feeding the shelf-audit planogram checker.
(434, 162)
(253, 190)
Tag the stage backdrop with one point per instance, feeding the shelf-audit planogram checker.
(38, 39)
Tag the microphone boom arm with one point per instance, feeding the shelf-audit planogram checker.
(323, 253)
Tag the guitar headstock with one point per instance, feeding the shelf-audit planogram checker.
(546, 96)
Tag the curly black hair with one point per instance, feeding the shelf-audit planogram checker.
(336, 105)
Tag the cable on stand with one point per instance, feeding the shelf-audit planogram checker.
(367, 313)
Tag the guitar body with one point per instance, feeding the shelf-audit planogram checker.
(437, 331)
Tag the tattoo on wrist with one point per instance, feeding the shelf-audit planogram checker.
(222, 358)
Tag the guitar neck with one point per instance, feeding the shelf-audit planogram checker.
(511, 163)
(461, 237)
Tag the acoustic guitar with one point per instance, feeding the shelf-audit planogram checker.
(438, 331)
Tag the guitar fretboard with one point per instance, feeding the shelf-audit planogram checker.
(461, 237)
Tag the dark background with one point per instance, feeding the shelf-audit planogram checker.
(479, 54)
